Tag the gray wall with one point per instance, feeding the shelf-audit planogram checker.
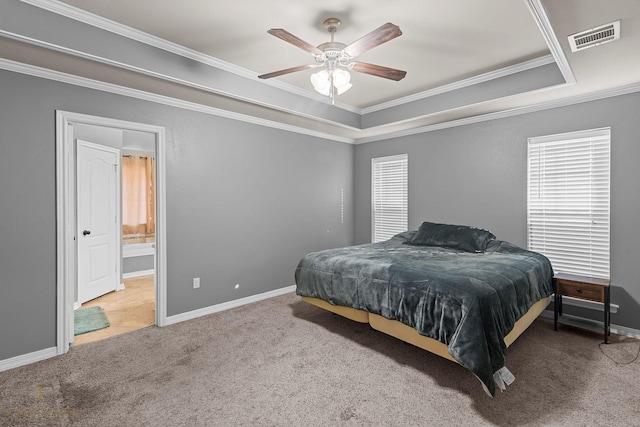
(477, 175)
(244, 203)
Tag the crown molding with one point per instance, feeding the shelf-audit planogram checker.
(557, 55)
(44, 73)
(544, 24)
(89, 18)
(577, 99)
(97, 21)
(162, 76)
(491, 75)
(72, 12)
(536, 7)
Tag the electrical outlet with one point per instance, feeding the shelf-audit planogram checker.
(196, 282)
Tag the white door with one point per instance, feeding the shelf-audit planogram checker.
(98, 233)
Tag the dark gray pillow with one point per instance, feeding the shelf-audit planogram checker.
(462, 237)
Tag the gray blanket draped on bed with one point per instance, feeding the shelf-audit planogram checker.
(468, 301)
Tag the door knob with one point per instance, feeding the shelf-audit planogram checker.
(86, 232)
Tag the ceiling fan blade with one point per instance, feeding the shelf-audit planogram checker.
(375, 38)
(286, 71)
(378, 70)
(298, 42)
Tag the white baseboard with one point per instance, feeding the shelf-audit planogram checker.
(592, 325)
(227, 305)
(138, 274)
(26, 359)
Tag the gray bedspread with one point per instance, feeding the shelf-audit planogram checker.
(468, 301)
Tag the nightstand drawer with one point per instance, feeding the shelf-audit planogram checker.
(581, 290)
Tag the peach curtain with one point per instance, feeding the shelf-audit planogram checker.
(138, 197)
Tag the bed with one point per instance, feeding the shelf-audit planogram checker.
(453, 290)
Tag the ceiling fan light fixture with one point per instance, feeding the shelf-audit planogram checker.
(322, 83)
(341, 80)
(336, 59)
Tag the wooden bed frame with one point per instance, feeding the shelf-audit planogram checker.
(411, 336)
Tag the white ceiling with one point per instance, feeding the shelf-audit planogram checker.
(443, 43)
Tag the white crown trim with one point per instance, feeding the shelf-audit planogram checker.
(97, 21)
(134, 93)
(578, 99)
(503, 72)
(58, 48)
(160, 99)
(544, 24)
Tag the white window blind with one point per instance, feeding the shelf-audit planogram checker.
(389, 196)
(568, 201)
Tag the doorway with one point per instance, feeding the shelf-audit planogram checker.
(69, 127)
(127, 310)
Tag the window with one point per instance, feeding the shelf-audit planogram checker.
(138, 199)
(568, 201)
(389, 196)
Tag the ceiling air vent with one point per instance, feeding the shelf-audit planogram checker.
(595, 36)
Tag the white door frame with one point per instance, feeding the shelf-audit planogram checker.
(66, 277)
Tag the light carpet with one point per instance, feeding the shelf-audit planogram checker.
(283, 362)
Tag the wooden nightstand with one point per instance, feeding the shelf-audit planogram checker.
(582, 287)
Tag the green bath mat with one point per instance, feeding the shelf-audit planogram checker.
(88, 320)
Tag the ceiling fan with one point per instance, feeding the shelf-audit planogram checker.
(336, 59)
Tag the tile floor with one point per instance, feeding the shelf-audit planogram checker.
(127, 310)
